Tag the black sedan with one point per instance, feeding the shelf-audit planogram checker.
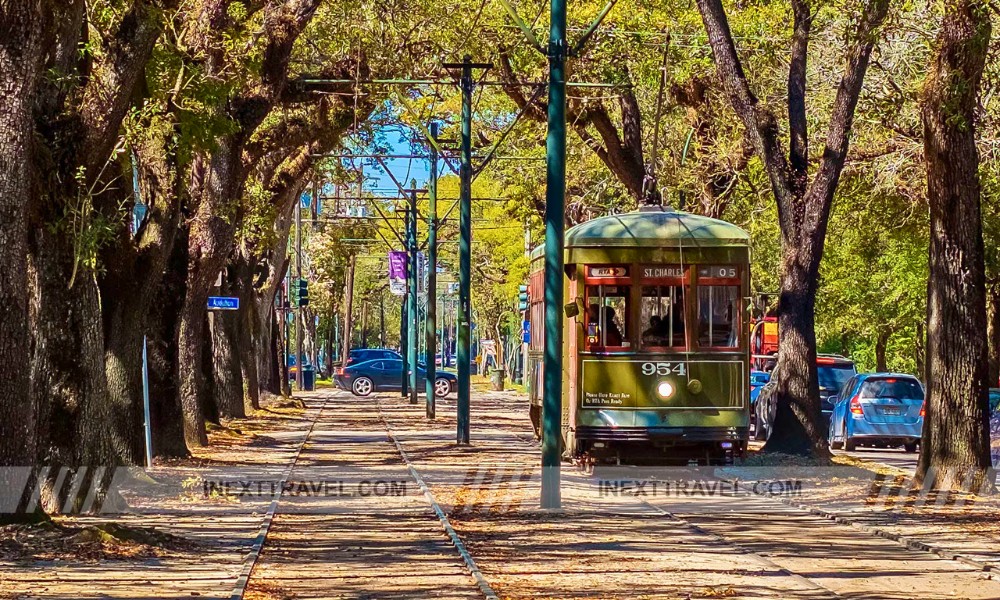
(387, 374)
(360, 355)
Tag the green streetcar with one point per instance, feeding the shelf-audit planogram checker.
(655, 339)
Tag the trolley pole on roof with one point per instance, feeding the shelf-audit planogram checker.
(555, 190)
(465, 247)
(431, 324)
(411, 271)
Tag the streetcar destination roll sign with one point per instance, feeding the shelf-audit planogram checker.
(608, 271)
(658, 271)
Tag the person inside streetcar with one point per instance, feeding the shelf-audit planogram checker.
(613, 336)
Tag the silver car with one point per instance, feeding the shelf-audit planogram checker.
(878, 409)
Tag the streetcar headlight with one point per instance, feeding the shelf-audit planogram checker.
(664, 389)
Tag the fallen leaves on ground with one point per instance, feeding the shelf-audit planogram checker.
(259, 590)
(52, 541)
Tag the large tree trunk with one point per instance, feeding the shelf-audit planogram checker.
(803, 205)
(134, 271)
(226, 370)
(78, 120)
(227, 374)
(123, 368)
(166, 416)
(955, 446)
(68, 380)
(248, 335)
(797, 426)
(881, 345)
(209, 244)
(20, 62)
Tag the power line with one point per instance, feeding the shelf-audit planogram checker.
(410, 82)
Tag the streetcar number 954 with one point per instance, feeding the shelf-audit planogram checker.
(663, 368)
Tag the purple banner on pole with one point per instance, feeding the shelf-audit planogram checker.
(397, 272)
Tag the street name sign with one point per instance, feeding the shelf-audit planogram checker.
(223, 303)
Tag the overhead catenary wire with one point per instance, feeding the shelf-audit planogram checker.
(438, 82)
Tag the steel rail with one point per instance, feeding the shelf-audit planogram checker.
(456, 540)
(243, 579)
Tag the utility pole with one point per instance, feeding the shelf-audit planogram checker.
(404, 326)
(431, 323)
(314, 205)
(412, 272)
(298, 308)
(555, 192)
(466, 83)
(381, 321)
(526, 318)
(404, 332)
(345, 348)
(364, 324)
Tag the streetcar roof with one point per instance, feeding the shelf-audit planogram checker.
(653, 228)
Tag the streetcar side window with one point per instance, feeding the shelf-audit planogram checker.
(718, 316)
(607, 316)
(662, 316)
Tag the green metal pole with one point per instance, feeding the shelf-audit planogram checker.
(465, 256)
(555, 191)
(404, 329)
(431, 324)
(411, 272)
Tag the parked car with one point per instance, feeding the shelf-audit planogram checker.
(879, 409)
(387, 374)
(995, 427)
(360, 355)
(994, 400)
(758, 379)
(833, 372)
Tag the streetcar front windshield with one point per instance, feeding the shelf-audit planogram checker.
(662, 316)
(718, 316)
(607, 316)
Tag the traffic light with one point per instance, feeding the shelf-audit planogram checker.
(303, 292)
(522, 298)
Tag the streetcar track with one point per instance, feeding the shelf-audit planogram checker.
(766, 563)
(456, 540)
(812, 587)
(243, 580)
(828, 593)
